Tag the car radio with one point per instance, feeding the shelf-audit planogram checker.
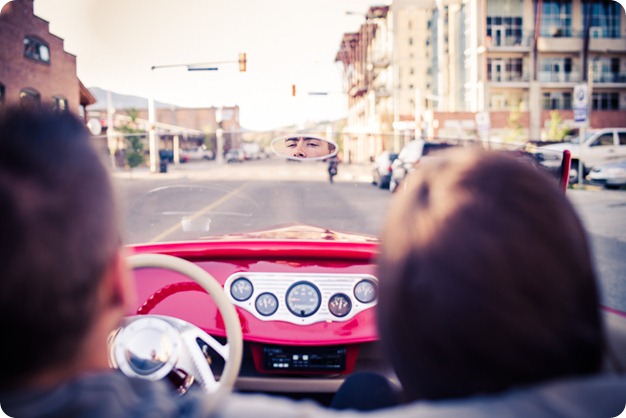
(290, 359)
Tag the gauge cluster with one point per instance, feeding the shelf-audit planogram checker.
(302, 298)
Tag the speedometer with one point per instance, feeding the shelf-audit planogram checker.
(303, 299)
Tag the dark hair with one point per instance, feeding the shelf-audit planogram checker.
(486, 280)
(59, 233)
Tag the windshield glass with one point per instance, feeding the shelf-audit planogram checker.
(576, 140)
(242, 116)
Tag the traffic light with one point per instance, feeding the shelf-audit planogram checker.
(242, 62)
(293, 90)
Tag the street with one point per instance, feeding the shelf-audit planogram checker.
(204, 198)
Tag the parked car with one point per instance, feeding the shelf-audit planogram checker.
(598, 147)
(235, 155)
(610, 175)
(381, 170)
(197, 153)
(410, 156)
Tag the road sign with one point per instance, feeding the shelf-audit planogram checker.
(581, 104)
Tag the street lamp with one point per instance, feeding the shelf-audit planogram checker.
(206, 66)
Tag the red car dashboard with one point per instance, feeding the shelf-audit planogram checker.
(306, 307)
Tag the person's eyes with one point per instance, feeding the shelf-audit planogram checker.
(313, 144)
(291, 144)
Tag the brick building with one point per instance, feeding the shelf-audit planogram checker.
(35, 69)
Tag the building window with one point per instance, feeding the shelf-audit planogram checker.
(1, 94)
(508, 69)
(30, 98)
(557, 101)
(556, 18)
(605, 19)
(557, 70)
(60, 103)
(605, 101)
(504, 30)
(36, 49)
(607, 70)
(504, 22)
(411, 41)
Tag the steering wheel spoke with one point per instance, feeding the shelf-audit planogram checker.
(150, 346)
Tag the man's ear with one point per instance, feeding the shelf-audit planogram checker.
(120, 283)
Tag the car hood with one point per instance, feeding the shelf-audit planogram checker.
(296, 232)
(559, 147)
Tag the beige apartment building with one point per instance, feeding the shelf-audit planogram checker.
(525, 57)
(467, 67)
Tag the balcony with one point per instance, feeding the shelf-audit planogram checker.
(504, 43)
(607, 44)
(568, 41)
(609, 78)
(560, 77)
(509, 80)
(559, 44)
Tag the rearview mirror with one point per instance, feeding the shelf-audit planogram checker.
(304, 147)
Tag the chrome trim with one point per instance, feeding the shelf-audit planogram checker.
(278, 284)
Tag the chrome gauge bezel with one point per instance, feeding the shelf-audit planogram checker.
(280, 284)
(266, 295)
(374, 290)
(306, 311)
(233, 290)
(346, 299)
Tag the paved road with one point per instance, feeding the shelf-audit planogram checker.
(604, 214)
(230, 198)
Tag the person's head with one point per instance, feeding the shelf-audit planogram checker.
(60, 241)
(306, 147)
(486, 280)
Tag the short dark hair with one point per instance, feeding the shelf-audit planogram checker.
(486, 280)
(59, 233)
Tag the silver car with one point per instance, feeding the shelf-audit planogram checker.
(610, 175)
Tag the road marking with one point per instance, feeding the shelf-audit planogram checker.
(198, 214)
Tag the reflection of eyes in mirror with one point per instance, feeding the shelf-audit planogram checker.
(304, 147)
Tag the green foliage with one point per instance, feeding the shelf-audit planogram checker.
(556, 130)
(515, 129)
(134, 143)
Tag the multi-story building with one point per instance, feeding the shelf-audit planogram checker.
(478, 68)
(385, 66)
(525, 57)
(34, 67)
(366, 57)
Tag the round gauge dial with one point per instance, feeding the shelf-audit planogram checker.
(266, 304)
(303, 299)
(339, 305)
(365, 291)
(241, 289)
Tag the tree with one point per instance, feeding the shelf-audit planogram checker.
(515, 129)
(556, 130)
(134, 143)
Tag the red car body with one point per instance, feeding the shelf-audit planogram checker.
(167, 293)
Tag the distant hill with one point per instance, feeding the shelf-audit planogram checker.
(121, 101)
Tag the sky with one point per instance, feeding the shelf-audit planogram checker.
(286, 42)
